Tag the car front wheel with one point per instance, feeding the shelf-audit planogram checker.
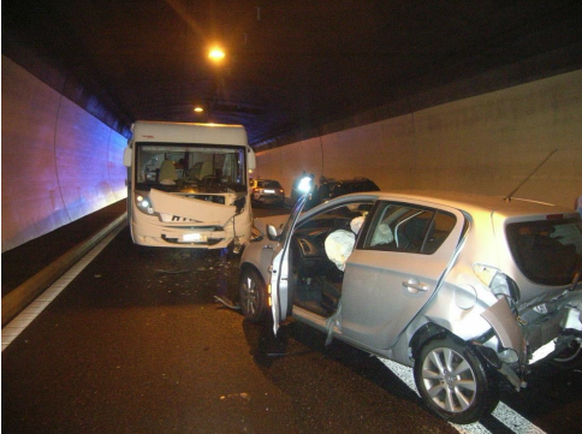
(454, 382)
(253, 295)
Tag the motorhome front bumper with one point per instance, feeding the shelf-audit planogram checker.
(209, 237)
(203, 238)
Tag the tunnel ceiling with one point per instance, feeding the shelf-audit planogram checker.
(290, 66)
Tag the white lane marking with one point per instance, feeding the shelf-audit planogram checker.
(513, 420)
(24, 318)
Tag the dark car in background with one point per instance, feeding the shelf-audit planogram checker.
(267, 192)
(331, 188)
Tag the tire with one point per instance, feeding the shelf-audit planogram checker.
(454, 382)
(253, 297)
(570, 357)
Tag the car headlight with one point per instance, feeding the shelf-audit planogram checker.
(499, 283)
(305, 185)
(144, 204)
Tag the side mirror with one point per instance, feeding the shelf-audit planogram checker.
(127, 154)
(272, 233)
(251, 159)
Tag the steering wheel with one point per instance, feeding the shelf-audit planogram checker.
(208, 180)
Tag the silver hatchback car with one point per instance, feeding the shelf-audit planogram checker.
(465, 289)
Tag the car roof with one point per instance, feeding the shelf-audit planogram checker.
(473, 203)
(346, 181)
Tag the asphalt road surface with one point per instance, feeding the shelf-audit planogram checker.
(136, 343)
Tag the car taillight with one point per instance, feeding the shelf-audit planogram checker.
(498, 282)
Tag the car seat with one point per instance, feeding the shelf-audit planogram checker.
(205, 170)
(167, 171)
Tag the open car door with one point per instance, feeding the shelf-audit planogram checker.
(281, 293)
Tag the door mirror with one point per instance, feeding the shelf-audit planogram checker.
(272, 233)
(127, 154)
(251, 159)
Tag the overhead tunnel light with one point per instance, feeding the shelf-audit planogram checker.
(216, 54)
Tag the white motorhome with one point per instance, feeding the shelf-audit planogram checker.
(188, 185)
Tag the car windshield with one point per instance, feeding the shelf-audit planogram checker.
(268, 184)
(548, 251)
(186, 167)
(293, 216)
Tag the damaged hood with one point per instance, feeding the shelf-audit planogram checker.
(191, 208)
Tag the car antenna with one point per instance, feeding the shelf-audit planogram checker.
(509, 196)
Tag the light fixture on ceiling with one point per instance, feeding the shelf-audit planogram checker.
(216, 54)
(198, 109)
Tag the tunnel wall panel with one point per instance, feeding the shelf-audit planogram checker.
(486, 144)
(82, 161)
(59, 163)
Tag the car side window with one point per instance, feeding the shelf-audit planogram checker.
(322, 244)
(408, 228)
(442, 225)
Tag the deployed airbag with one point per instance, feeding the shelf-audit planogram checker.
(338, 247)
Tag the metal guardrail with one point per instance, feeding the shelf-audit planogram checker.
(15, 301)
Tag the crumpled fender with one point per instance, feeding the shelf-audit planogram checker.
(506, 327)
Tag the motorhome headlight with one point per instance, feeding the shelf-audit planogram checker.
(499, 283)
(144, 204)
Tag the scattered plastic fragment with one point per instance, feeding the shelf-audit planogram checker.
(227, 302)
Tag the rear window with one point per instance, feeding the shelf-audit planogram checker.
(269, 184)
(547, 251)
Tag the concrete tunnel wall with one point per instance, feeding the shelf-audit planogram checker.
(484, 144)
(59, 163)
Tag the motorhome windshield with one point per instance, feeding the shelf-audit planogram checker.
(185, 167)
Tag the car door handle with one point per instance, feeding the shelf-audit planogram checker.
(413, 285)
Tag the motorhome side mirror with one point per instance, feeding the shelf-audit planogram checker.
(251, 159)
(127, 157)
(272, 232)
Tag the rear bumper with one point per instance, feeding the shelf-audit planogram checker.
(522, 342)
(268, 199)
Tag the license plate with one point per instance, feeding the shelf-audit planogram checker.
(270, 191)
(191, 237)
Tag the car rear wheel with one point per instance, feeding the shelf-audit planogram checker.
(253, 296)
(454, 382)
